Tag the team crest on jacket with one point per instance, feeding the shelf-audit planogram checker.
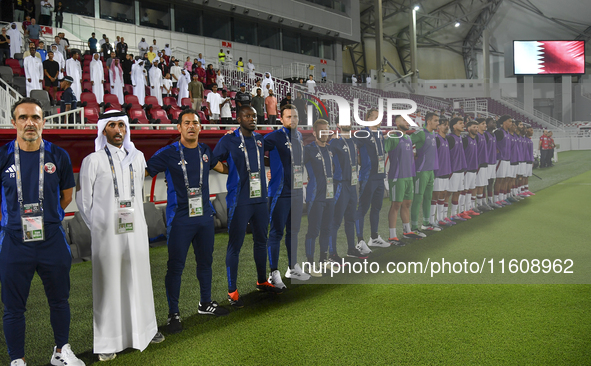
(49, 168)
(259, 143)
(205, 158)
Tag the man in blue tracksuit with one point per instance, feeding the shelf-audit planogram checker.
(285, 194)
(244, 152)
(371, 176)
(37, 185)
(189, 214)
(346, 173)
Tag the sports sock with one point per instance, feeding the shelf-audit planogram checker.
(480, 200)
(467, 202)
(440, 210)
(433, 213)
(454, 208)
(406, 227)
(473, 203)
(374, 235)
(392, 233)
(496, 198)
(414, 225)
(461, 202)
(445, 210)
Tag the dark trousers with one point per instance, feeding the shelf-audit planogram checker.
(320, 214)
(199, 232)
(59, 21)
(260, 119)
(19, 261)
(546, 158)
(238, 218)
(372, 193)
(345, 206)
(281, 219)
(272, 119)
(4, 54)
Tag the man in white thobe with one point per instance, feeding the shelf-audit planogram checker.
(183, 86)
(74, 70)
(116, 78)
(142, 47)
(16, 39)
(97, 77)
(138, 80)
(109, 197)
(33, 72)
(267, 79)
(250, 67)
(59, 58)
(156, 82)
(368, 81)
(354, 80)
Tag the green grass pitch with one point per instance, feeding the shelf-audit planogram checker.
(354, 324)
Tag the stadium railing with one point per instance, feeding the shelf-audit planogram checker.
(8, 96)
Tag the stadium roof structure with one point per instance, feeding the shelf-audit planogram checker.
(457, 26)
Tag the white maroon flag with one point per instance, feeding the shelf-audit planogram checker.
(549, 57)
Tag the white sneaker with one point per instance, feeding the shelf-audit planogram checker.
(430, 227)
(379, 242)
(297, 273)
(363, 248)
(66, 357)
(275, 279)
(18, 362)
(316, 269)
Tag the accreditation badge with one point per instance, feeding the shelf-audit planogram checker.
(255, 185)
(329, 188)
(125, 215)
(298, 177)
(354, 179)
(381, 164)
(32, 222)
(195, 202)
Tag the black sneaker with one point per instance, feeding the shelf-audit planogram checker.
(268, 287)
(355, 253)
(235, 300)
(334, 258)
(212, 308)
(174, 324)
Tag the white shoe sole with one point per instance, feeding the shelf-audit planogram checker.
(385, 245)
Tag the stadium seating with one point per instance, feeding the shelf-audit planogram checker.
(186, 103)
(151, 104)
(43, 97)
(87, 86)
(90, 99)
(160, 115)
(131, 101)
(138, 116)
(15, 66)
(202, 118)
(174, 114)
(112, 102)
(91, 114)
(127, 89)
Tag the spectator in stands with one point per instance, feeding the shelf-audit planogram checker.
(51, 70)
(202, 60)
(226, 108)
(250, 67)
(60, 48)
(103, 40)
(34, 31)
(194, 66)
(210, 77)
(175, 73)
(300, 80)
(268, 79)
(240, 65)
(145, 18)
(188, 65)
(266, 90)
(59, 58)
(196, 92)
(28, 52)
(302, 107)
(33, 71)
(242, 97)
(257, 85)
(59, 15)
(214, 104)
(121, 49)
(68, 97)
(19, 10)
(142, 47)
(29, 8)
(4, 46)
(42, 51)
(183, 86)
(229, 58)
(368, 81)
(107, 49)
(26, 24)
(45, 18)
(271, 107)
(116, 79)
(166, 86)
(285, 101)
(222, 58)
(138, 80)
(323, 76)
(74, 70)
(126, 66)
(92, 41)
(117, 40)
(156, 82)
(167, 51)
(156, 48)
(151, 54)
(97, 77)
(311, 84)
(200, 71)
(109, 60)
(354, 80)
(220, 80)
(162, 65)
(158, 57)
(16, 40)
(258, 103)
(65, 44)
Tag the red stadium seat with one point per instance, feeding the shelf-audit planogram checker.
(113, 101)
(127, 89)
(174, 114)
(175, 91)
(87, 86)
(138, 116)
(205, 92)
(85, 76)
(169, 101)
(151, 103)
(58, 95)
(160, 114)
(202, 118)
(91, 114)
(132, 102)
(90, 100)
(107, 87)
(232, 94)
(186, 102)
(15, 66)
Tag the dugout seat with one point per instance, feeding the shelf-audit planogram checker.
(79, 235)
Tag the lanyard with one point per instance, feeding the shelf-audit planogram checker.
(115, 177)
(323, 164)
(349, 154)
(246, 153)
(290, 148)
(376, 144)
(184, 168)
(19, 184)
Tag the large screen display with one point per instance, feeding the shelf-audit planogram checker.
(548, 57)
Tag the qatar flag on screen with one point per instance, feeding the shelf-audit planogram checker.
(549, 57)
